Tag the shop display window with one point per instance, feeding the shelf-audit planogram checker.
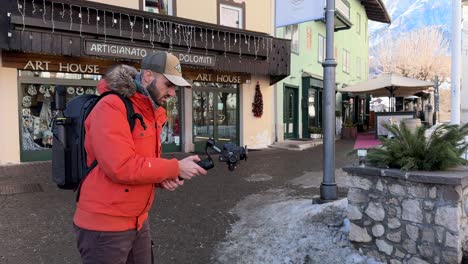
(38, 110)
(37, 107)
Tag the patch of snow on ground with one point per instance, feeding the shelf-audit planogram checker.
(275, 228)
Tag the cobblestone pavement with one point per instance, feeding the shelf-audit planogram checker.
(187, 224)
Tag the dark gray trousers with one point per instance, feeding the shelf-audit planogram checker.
(126, 247)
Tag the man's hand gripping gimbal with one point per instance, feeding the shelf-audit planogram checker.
(231, 154)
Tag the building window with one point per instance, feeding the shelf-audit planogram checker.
(309, 38)
(231, 14)
(292, 32)
(366, 71)
(346, 61)
(343, 7)
(358, 68)
(365, 32)
(321, 48)
(165, 7)
(358, 23)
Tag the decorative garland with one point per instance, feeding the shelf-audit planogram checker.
(257, 105)
(152, 29)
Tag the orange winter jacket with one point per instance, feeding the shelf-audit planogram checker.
(118, 193)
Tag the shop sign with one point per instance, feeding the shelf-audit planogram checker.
(137, 53)
(195, 59)
(61, 67)
(219, 78)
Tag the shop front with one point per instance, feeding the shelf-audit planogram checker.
(43, 50)
(215, 104)
(312, 115)
(356, 109)
(37, 78)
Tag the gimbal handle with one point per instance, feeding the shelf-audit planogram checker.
(208, 162)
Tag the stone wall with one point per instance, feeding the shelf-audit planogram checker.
(400, 217)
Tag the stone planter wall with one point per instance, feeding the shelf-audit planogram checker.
(414, 217)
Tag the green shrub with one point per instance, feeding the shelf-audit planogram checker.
(315, 130)
(412, 151)
(349, 123)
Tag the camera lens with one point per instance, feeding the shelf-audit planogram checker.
(232, 158)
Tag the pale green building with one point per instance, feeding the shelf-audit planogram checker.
(300, 94)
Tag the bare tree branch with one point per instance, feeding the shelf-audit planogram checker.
(420, 54)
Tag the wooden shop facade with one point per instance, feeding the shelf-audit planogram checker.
(73, 43)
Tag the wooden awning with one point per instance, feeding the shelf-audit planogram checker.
(67, 27)
(376, 11)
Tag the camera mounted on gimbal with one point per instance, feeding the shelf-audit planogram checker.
(231, 154)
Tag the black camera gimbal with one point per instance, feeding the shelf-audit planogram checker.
(231, 154)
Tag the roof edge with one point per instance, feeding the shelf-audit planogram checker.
(384, 9)
(385, 16)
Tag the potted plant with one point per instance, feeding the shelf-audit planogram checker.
(349, 130)
(315, 132)
(411, 150)
(405, 191)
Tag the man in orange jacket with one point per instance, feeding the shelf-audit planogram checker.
(111, 216)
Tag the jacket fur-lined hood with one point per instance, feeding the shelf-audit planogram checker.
(119, 79)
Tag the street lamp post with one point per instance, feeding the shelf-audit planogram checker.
(456, 61)
(328, 188)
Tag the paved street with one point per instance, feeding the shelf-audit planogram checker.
(187, 224)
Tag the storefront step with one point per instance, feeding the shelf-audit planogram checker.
(291, 144)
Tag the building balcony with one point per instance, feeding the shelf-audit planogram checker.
(342, 15)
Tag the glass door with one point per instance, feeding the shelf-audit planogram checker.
(215, 115)
(171, 132)
(203, 118)
(315, 107)
(290, 117)
(226, 117)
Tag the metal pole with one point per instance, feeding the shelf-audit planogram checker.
(328, 188)
(436, 99)
(275, 88)
(456, 61)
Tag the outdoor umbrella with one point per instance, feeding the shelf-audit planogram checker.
(390, 85)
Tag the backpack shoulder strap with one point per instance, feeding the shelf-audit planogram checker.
(131, 116)
(130, 111)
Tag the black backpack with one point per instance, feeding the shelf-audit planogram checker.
(69, 167)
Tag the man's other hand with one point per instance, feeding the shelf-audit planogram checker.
(171, 185)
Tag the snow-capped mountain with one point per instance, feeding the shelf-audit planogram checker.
(408, 15)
